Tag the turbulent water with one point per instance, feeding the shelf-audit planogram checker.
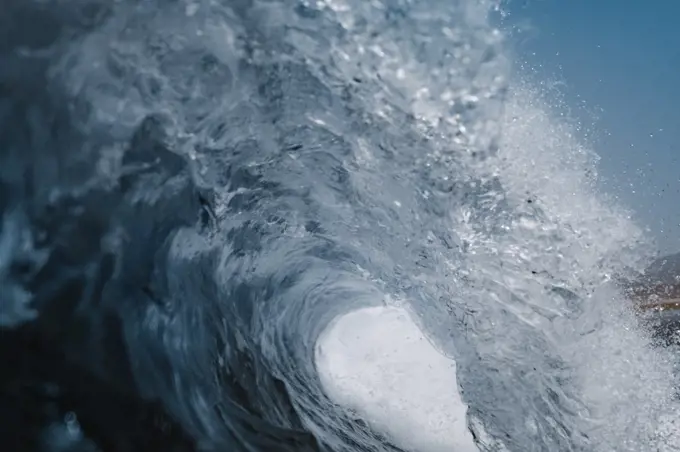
(192, 190)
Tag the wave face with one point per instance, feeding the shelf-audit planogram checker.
(192, 190)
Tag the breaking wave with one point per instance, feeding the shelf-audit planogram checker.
(192, 191)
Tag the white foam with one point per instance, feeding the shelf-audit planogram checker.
(377, 362)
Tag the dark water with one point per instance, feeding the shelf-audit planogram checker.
(191, 191)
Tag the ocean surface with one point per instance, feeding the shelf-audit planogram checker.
(191, 192)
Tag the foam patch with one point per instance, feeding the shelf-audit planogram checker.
(377, 362)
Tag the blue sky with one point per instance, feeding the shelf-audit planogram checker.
(620, 64)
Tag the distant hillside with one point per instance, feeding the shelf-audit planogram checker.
(657, 295)
(665, 270)
(660, 281)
